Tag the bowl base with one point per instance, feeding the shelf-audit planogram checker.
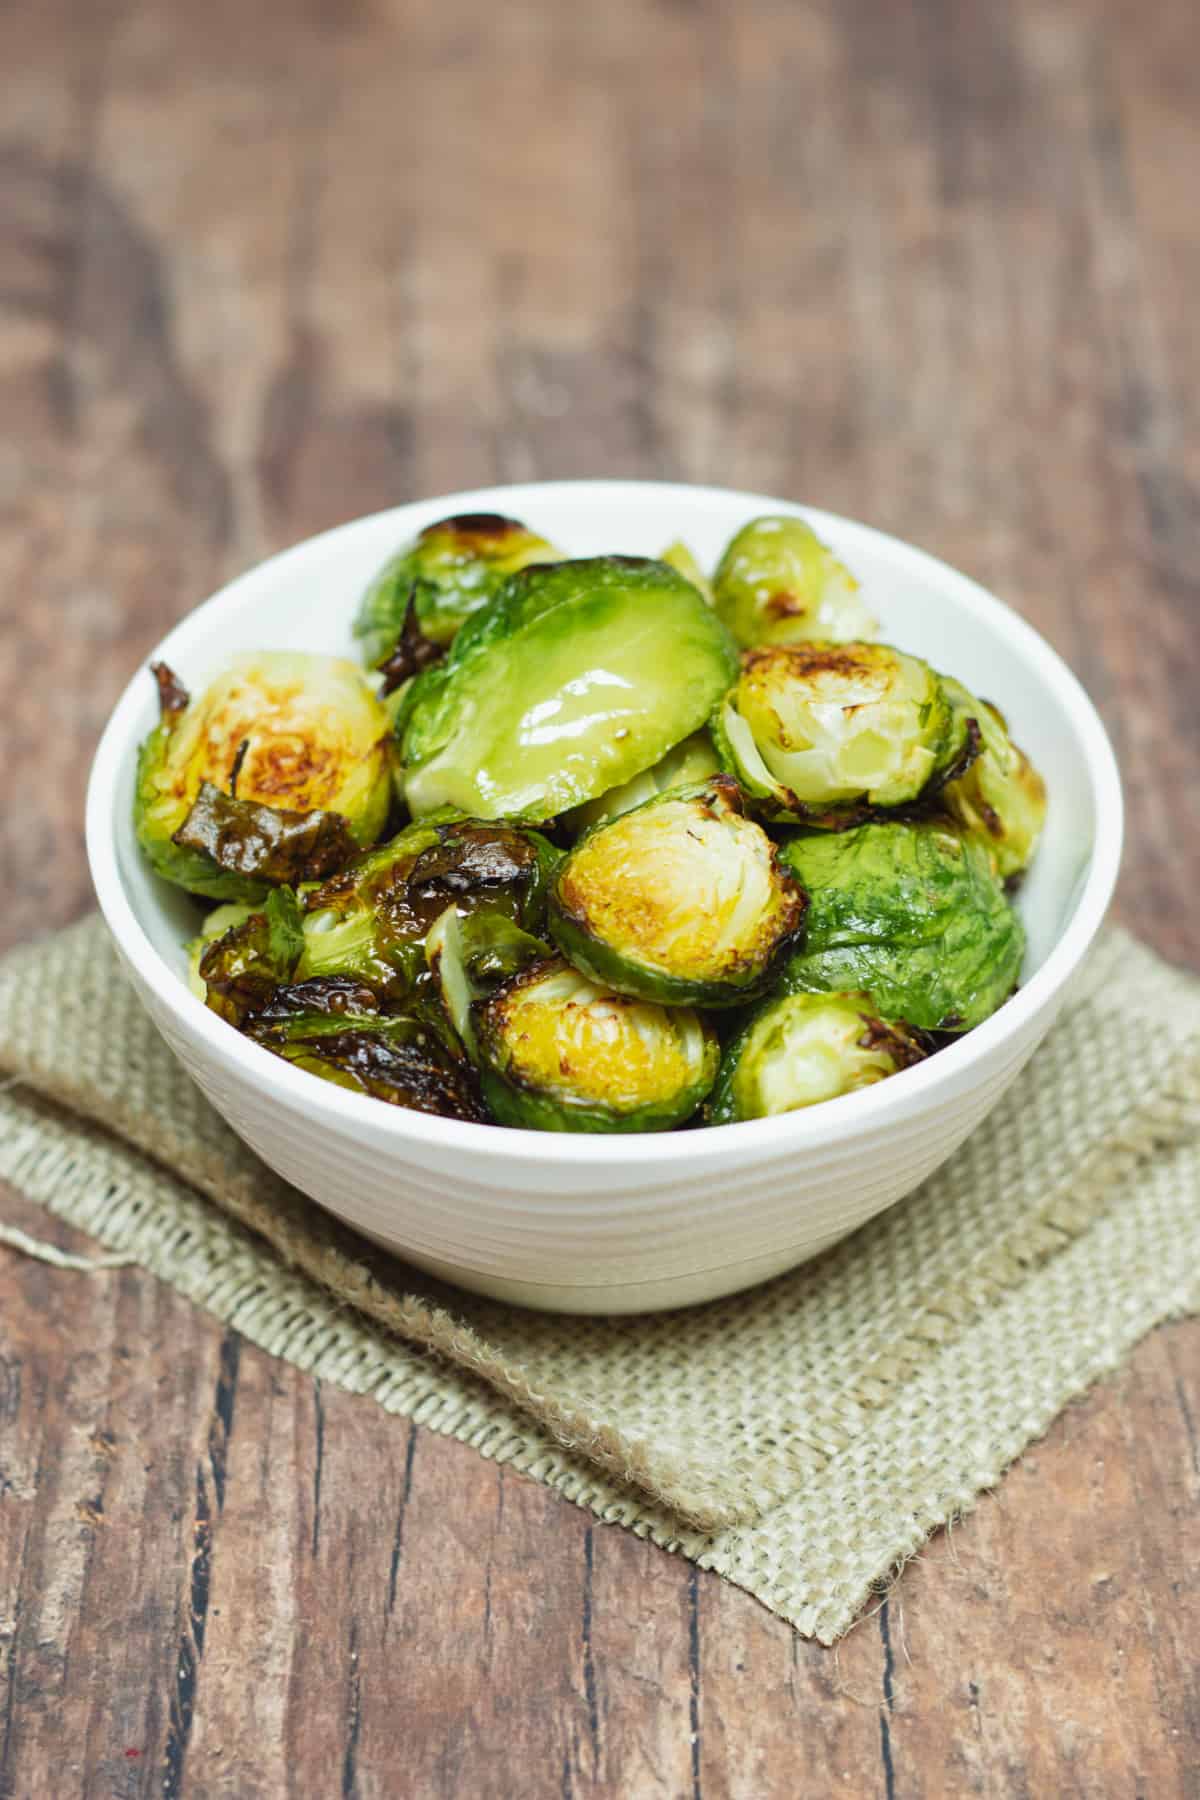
(666, 1294)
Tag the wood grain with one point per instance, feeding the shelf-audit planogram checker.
(261, 269)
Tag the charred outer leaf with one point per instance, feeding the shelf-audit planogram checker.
(266, 842)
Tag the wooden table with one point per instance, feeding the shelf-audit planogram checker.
(266, 267)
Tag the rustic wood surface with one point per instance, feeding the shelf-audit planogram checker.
(266, 267)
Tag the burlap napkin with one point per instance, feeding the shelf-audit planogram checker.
(801, 1439)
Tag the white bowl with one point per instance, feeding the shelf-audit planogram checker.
(619, 1224)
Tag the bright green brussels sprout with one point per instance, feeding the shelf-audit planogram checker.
(557, 1052)
(777, 583)
(372, 920)
(799, 1049)
(1001, 795)
(306, 745)
(821, 733)
(335, 1029)
(691, 761)
(680, 557)
(448, 571)
(573, 679)
(683, 900)
(913, 914)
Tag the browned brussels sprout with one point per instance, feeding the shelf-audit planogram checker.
(239, 969)
(777, 583)
(372, 919)
(820, 733)
(1001, 797)
(682, 900)
(280, 769)
(444, 575)
(335, 1029)
(558, 1052)
(799, 1049)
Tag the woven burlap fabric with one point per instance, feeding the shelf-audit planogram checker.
(801, 1439)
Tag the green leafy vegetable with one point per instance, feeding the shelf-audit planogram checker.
(913, 914)
(242, 968)
(682, 900)
(285, 733)
(561, 1053)
(777, 583)
(690, 761)
(445, 574)
(799, 1049)
(573, 679)
(1000, 796)
(822, 734)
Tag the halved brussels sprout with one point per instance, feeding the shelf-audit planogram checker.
(560, 1053)
(799, 1049)
(680, 557)
(691, 761)
(334, 1029)
(822, 733)
(777, 583)
(911, 912)
(447, 572)
(574, 678)
(469, 956)
(1001, 796)
(682, 900)
(297, 735)
(372, 919)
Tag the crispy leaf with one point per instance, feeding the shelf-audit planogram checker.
(271, 843)
(173, 697)
(242, 969)
(413, 651)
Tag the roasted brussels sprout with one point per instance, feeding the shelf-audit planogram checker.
(822, 733)
(680, 557)
(240, 969)
(913, 914)
(682, 900)
(574, 678)
(306, 746)
(777, 583)
(798, 1049)
(334, 1028)
(691, 761)
(220, 920)
(469, 956)
(557, 1052)
(372, 919)
(447, 572)
(1001, 796)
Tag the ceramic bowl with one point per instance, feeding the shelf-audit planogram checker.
(619, 1224)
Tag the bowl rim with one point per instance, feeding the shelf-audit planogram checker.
(911, 1089)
